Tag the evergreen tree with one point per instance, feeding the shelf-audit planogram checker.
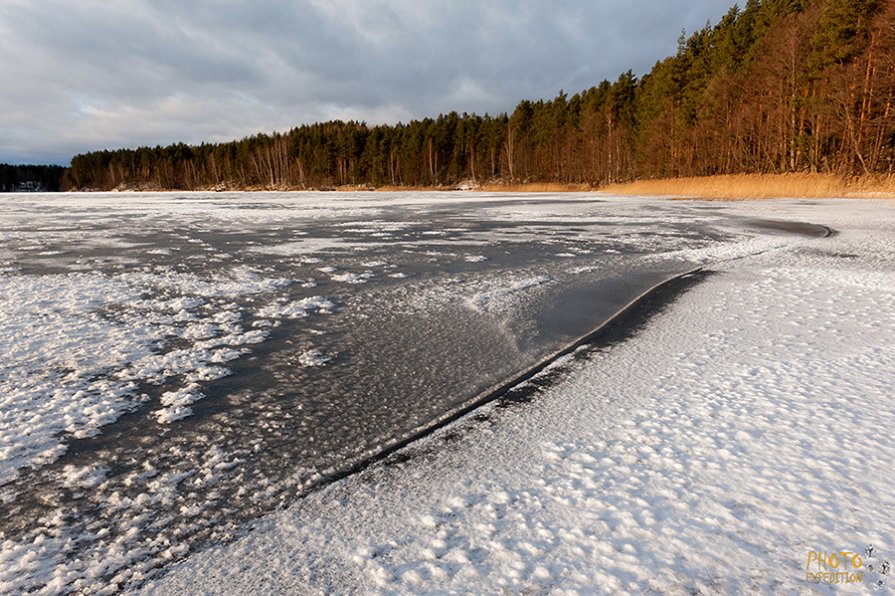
(777, 86)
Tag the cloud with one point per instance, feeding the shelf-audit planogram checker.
(88, 75)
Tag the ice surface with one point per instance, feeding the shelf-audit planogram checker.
(75, 344)
(742, 428)
(489, 298)
(177, 365)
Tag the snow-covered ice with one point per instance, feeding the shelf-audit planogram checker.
(177, 367)
(743, 428)
(75, 344)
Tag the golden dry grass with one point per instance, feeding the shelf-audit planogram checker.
(736, 187)
(761, 186)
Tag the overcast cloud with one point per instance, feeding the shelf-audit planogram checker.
(82, 75)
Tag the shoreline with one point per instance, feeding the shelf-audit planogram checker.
(751, 187)
(722, 187)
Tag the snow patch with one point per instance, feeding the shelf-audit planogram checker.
(353, 278)
(298, 309)
(493, 298)
(83, 477)
(313, 357)
(75, 346)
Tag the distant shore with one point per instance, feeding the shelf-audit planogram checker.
(491, 186)
(733, 187)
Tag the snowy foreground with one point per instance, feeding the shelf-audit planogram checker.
(178, 372)
(745, 427)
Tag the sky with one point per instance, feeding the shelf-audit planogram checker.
(86, 75)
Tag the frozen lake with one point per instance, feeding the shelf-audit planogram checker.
(176, 364)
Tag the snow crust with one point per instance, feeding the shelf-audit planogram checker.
(75, 347)
(742, 427)
(745, 426)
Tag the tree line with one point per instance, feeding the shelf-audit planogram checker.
(31, 178)
(777, 86)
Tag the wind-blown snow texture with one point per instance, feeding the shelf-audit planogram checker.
(743, 427)
(176, 366)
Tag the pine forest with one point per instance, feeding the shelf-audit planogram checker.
(776, 86)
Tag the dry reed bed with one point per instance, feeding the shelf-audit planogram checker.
(741, 187)
(734, 187)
